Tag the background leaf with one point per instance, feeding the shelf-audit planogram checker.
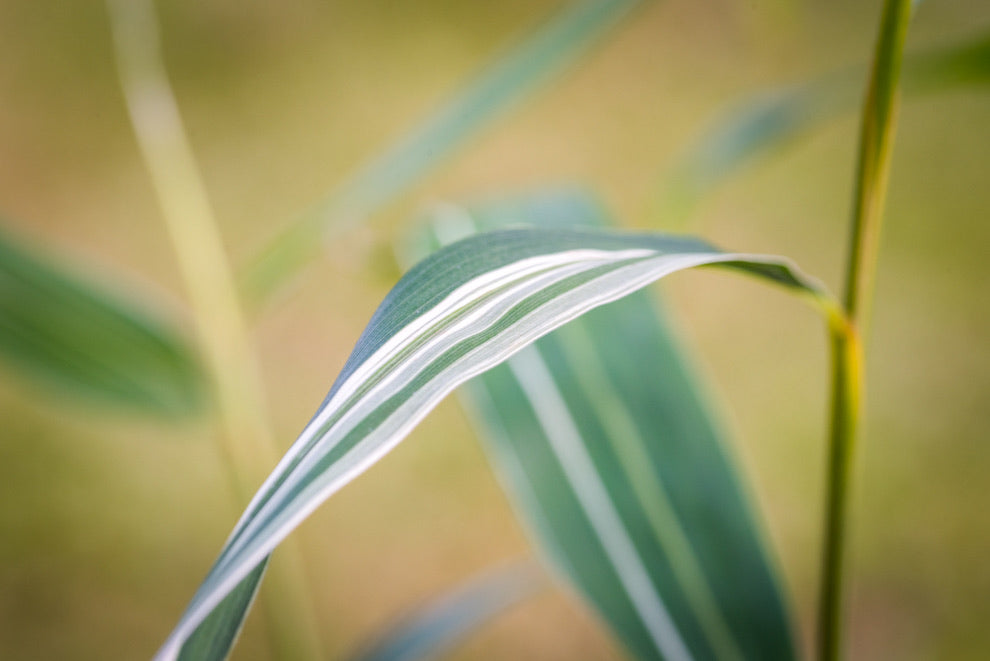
(518, 73)
(78, 337)
(773, 118)
(439, 625)
(606, 443)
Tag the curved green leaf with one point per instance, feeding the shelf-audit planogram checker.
(80, 338)
(457, 314)
(521, 71)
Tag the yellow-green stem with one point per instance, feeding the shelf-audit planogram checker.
(873, 161)
(846, 402)
(873, 167)
(246, 440)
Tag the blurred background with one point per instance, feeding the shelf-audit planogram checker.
(109, 521)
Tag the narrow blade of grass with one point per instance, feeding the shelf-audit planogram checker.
(460, 312)
(246, 440)
(78, 337)
(521, 72)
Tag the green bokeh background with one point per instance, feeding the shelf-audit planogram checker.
(108, 522)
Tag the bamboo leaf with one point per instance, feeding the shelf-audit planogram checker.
(773, 118)
(78, 337)
(603, 439)
(215, 637)
(441, 624)
(455, 315)
(520, 72)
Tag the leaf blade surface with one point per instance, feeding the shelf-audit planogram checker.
(455, 315)
(600, 430)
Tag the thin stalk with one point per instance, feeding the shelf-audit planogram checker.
(873, 168)
(847, 383)
(246, 441)
(873, 164)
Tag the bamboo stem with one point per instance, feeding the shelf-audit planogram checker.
(873, 168)
(844, 423)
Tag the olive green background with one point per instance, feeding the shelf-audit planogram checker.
(108, 522)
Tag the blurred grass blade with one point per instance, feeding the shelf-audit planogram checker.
(774, 118)
(77, 336)
(603, 439)
(246, 441)
(458, 313)
(439, 626)
(519, 73)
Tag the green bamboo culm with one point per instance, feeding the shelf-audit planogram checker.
(873, 167)
(846, 405)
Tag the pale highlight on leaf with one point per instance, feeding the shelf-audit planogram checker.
(565, 439)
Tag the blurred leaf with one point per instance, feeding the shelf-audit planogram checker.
(520, 72)
(438, 626)
(948, 68)
(601, 435)
(458, 313)
(80, 338)
(773, 118)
